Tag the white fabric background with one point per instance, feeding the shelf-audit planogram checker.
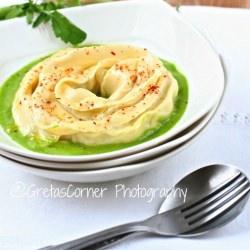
(30, 223)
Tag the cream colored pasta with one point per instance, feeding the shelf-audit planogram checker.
(95, 95)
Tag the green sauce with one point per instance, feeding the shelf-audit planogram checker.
(10, 87)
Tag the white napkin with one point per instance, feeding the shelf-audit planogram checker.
(32, 222)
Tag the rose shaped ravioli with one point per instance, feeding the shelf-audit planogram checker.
(95, 95)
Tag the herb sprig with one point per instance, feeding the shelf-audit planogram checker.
(37, 14)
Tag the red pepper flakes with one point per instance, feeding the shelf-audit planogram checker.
(153, 89)
(127, 67)
(48, 102)
(80, 104)
(133, 78)
(69, 70)
(94, 123)
(141, 73)
(113, 53)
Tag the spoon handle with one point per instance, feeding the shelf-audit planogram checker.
(103, 238)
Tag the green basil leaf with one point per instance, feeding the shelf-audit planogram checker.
(4, 11)
(66, 30)
(29, 17)
(14, 12)
(41, 18)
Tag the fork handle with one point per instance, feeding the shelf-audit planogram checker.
(103, 238)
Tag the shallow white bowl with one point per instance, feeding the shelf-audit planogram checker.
(130, 159)
(113, 173)
(102, 175)
(152, 24)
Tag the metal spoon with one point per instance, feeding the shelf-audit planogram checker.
(216, 194)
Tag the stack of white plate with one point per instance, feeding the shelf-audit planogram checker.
(152, 24)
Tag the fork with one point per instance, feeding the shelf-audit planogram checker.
(190, 219)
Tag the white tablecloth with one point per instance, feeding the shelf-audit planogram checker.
(32, 222)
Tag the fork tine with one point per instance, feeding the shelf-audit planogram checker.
(213, 197)
(228, 182)
(219, 207)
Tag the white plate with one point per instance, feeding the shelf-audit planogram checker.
(132, 22)
(110, 174)
(101, 175)
(141, 156)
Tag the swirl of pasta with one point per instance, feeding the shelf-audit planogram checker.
(95, 95)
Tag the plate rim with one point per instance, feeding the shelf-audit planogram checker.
(119, 153)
